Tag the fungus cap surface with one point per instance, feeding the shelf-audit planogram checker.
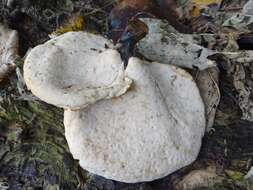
(152, 130)
(74, 70)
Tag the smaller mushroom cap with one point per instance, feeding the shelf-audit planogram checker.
(74, 70)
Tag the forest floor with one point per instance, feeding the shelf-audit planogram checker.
(33, 150)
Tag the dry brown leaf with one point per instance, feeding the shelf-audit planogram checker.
(198, 5)
(208, 83)
(127, 10)
(199, 178)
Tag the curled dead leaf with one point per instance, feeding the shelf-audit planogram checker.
(199, 178)
(208, 83)
(126, 10)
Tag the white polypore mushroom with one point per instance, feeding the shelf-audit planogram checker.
(142, 134)
(152, 130)
(75, 70)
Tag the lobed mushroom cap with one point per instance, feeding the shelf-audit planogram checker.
(152, 130)
(75, 70)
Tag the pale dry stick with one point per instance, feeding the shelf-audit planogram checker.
(100, 9)
(217, 88)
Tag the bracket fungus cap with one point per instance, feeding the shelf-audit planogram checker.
(152, 130)
(75, 70)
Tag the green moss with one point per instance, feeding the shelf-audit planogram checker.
(235, 175)
(35, 146)
(74, 24)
